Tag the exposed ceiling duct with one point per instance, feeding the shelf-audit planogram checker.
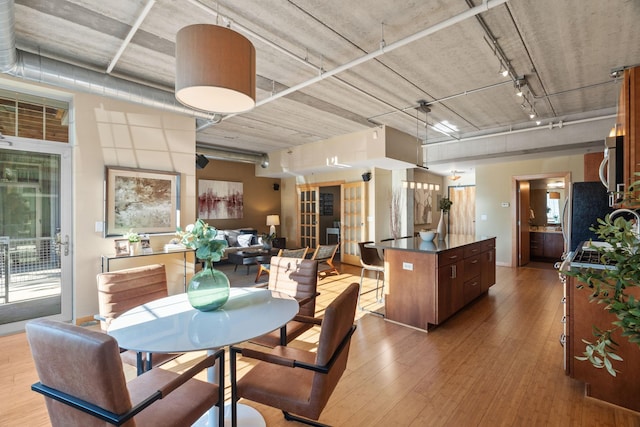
(36, 68)
(233, 156)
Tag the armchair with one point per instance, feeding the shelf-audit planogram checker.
(298, 381)
(324, 255)
(289, 253)
(298, 278)
(122, 290)
(83, 382)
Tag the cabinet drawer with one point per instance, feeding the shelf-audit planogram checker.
(472, 266)
(489, 245)
(450, 256)
(471, 289)
(473, 249)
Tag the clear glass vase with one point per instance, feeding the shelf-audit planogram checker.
(208, 289)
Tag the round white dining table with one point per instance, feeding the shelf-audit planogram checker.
(172, 325)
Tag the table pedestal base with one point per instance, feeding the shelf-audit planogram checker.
(247, 416)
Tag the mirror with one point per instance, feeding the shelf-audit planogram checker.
(547, 199)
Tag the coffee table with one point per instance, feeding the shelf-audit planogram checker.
(249, 258)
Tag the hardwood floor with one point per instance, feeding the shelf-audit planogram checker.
(496, 363)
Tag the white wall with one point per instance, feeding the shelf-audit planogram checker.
(115, 133)
(494, 186)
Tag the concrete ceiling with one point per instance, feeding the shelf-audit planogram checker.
(564, 50)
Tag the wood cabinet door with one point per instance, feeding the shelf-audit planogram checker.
(450, 290)
(623, 389)
(488, 269)
(537, 245)
(553, 246)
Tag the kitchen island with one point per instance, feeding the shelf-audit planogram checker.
(428, 282)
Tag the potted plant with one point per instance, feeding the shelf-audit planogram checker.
(267, 240)
(208, 289)
(134, 241)
(610, 286)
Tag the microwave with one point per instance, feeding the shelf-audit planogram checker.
(612, 168)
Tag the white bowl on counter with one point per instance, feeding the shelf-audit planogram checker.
(428, 235)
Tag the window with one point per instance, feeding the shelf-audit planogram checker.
(553, 207)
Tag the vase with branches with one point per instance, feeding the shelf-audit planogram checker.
(445, 206)
(395, 213)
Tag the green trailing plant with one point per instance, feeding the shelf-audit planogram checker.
(610, 286)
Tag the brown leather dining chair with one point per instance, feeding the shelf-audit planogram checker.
(298, 278)
(82, 379)
(297, 381)
(122, 290)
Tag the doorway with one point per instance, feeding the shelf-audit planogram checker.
(35, 212)
(537, 227)
(462, 215)
(333, 212)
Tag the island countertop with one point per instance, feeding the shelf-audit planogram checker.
(416, 244)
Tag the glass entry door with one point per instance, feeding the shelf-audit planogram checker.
(35, 262)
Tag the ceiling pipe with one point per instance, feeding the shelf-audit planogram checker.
(487, 4)
(132, 32)
(7, 36)
(550, 126)
(261, 159)
(39, 69)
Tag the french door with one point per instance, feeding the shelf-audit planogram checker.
(353, 221)
(308, 215)
(352, 218)
(35, 228)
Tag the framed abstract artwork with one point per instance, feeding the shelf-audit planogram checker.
(141, 201)
(220, 199)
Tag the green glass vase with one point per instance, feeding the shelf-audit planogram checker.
(208, 289)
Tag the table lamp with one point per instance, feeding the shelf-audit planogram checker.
(272, 221)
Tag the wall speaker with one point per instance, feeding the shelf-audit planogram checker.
(276, 186)
(201, 161)
(366, 177)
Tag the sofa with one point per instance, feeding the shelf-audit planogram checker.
(239, 240)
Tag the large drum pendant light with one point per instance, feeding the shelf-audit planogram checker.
(215, 69)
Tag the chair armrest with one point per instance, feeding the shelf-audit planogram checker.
(303, 301)
(291, 363)
(308, 319)
(90, 408)
(207, 362)
(119, 419)
(265, 357)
